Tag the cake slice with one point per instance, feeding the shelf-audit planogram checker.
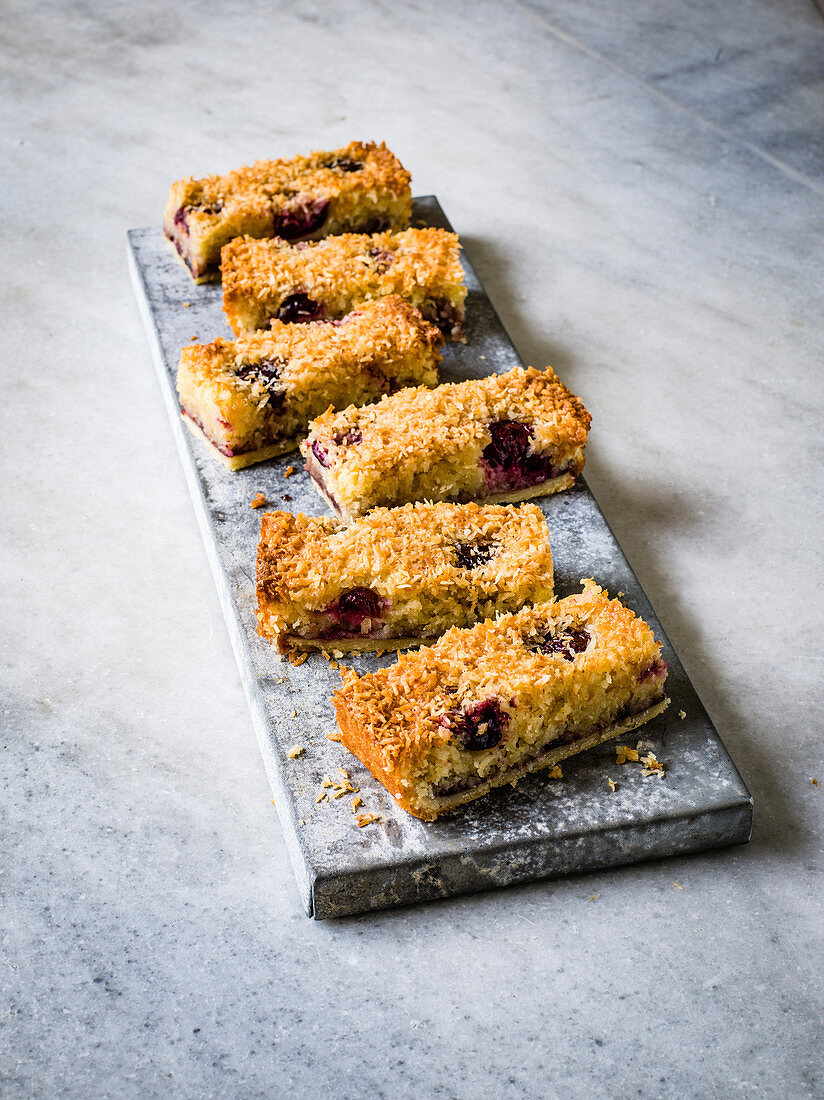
(398, 576)
(252, 398)
(502, 438)
(486, 706)
(272, 279)
(362, 188)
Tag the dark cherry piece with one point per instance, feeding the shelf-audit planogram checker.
(356, 605)
(346, 164)
(472, 554)
(268, 372)
(301, 220)
(346, 439)
(320, 454)
(566, 644)
(298, 309)
(656, 669)
(509, 450)
(480, 726)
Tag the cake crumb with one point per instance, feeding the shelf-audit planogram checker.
(344, 773)
(612, 786)
(258, 500)
(193, 337)
(621, 595)
(327, 782)
(624, 753)
(652, 765)
(555, 773)
(682, 714)
(355, 803)
(288, 471)
(186, 305)
(593, 897)
(296, 751)
(333, 737)
(322, 796)
(678, 885)
(297, 659)
(814, 782)
(366, 819)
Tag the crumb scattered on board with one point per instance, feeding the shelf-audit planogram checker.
(257, 501)
(296, 751)
(612, 786)
(288, 471)
(296, 659)
(556, 773)
(682, 714)
(624, 753)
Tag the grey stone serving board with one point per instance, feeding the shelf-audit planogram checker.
(540, 828)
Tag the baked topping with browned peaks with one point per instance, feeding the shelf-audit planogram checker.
(466, 440)
(263, 279)
(396, 573)
(361, 188)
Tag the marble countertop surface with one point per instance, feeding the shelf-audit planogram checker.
(641, 189)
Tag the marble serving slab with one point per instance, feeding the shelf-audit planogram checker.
(541, 827)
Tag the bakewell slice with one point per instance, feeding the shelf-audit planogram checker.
(399, 576)
(252, 398)
(502, 438)
(486, 706)
(270, 279)
(362, 188)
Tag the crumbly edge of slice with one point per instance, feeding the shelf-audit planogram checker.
(248, 458)
(430, 809)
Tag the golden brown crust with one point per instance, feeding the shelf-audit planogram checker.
(397, 720)
(429, 444)
(381, 346)
(338, 273)
(204, 214)
(430, 566)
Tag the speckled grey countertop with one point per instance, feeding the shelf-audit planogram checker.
(640, 189)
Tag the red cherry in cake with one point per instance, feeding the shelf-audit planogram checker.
(298, 309)
(301, 219)
(480, 726)
(565, 644)
(471, 555)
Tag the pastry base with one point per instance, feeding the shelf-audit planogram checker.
(513, 496)
(248, 458)
(287, 643)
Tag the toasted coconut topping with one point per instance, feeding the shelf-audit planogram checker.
(426, 564)
(401, 709)
(328, 278)
(360, 188)
(431, 444)
(267, 386)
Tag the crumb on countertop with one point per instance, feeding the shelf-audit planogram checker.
(682, 714)
(555, 773)
(296, 751)
(624, 753)
(296, 659)
(652, 765)
(258, 500)
(366, 819)
(612, 785)
(288, 471)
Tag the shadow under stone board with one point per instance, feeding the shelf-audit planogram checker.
(540, 828)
